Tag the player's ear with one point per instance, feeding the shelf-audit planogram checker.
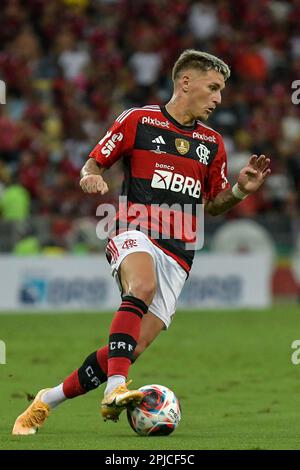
(185, 82)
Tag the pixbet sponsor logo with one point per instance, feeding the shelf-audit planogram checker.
(155, 122)
(111, 144)
(176, 182)
(208, 138)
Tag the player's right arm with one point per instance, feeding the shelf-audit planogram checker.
(91, 178)
(116, 143)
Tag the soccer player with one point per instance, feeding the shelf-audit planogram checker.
(171, 159)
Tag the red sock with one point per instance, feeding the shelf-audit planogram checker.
(102, 356)
(72, 387)
(124, 334)
(115, 359)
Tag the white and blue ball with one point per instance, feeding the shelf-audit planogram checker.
(158, 414)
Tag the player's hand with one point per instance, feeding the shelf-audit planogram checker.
(254, 174)
(93, 184)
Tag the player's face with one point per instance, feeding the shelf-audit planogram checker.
(204, 92)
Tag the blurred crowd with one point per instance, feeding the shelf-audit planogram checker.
(71, 66)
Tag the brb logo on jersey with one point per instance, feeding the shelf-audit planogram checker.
(176, 182)
(110, 145)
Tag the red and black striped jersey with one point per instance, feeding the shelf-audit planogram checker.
(168, 170)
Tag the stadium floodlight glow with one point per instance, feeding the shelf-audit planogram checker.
(2, 352)
(2, 92)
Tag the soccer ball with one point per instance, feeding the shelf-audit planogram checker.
(158, 414)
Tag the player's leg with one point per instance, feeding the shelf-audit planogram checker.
(93, 371)
(88, 377)
(163, 299)
(138, 278)
(95, 368)
(150, 329)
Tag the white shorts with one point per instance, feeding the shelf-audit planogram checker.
(170, 275)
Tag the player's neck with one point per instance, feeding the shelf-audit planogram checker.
(178, 112)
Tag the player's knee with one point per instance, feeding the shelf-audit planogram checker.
(144, 290)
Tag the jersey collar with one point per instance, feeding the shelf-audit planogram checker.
(176, 123)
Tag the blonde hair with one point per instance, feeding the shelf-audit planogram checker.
(193, 59)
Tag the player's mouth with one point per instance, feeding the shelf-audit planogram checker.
(210, 110)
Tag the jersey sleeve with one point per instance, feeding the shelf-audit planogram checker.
(217, 175)
(117, 142)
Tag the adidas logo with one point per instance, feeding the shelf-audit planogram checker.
(159, 140)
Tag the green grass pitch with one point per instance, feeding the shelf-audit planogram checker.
(232, 372)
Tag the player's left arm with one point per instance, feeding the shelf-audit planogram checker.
(250, 179)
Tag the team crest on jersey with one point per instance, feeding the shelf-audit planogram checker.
(129, 244)
(182, 145)
(203, 154)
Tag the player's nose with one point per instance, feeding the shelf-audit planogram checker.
(217, 98)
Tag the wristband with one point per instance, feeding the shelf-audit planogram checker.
(237, 193)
